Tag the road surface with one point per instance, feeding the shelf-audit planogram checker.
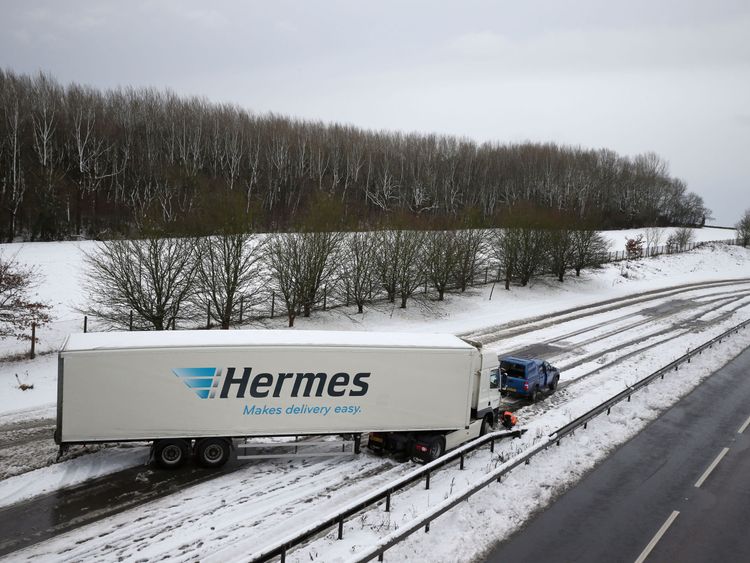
(678, 491)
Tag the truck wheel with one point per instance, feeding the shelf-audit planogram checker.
(212, 452)
(486, 425)
(534, 396)
(553, 385)
(172, 453)
(437, 447)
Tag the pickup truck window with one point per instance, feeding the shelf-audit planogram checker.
(514, 370)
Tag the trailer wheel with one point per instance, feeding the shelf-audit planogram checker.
(172, 453)
(437, 447)
(212, 452)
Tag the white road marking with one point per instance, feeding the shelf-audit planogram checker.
(744, 426)
(711, 467)
(657, 537)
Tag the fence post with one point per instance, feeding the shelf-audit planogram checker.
(32, 355)
(273, 302)
(85, 323)
(242, 304)
(208, 315)
(131, 320)
(325, 296)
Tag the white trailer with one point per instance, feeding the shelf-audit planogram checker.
(195, 391)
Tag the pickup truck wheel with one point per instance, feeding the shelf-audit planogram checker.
(534, 396)
(171, 454)
(212, 452)
(437, 447)
(553, 385)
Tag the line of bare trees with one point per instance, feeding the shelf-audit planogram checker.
(76, 161)
(156, 282)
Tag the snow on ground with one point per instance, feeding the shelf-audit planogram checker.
(73, 472)
(232, 516)
(460, 313)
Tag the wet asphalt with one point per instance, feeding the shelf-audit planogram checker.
(616, 510)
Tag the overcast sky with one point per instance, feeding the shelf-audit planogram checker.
(669, 77)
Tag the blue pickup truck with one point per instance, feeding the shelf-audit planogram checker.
(527, 378)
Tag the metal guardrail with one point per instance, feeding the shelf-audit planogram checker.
(384, 493)
(524, 458)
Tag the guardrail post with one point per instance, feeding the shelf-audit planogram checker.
(427, 481)
(273, 302)
(492, 446)
(380, 556)
(85, 323)
(388, 502)
(608, 409)
(283, 556)
(585, 425)
(427, 528)
(341, 528)
(462, 461)
(628, 398)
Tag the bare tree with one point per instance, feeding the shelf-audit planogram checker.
(682, 237)
(227, 274)
(653, 237)
(300, 264)
(560, 248)
(589, 249)
(358, 266)
(388, 261)
(409, 273)
(743, 229)
(318, 266)
(506, 250)
(153, 278)
(283, 257)
(470, 244)
(440, 259)
(12, 175)
(18, 307)
(532, 242)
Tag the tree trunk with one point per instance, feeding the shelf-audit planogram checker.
(403, 302)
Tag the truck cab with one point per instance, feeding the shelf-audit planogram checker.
(527, 378)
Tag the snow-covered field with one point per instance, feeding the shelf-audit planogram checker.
(230, 517)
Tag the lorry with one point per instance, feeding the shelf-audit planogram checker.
(527, 378)
(193, 393)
